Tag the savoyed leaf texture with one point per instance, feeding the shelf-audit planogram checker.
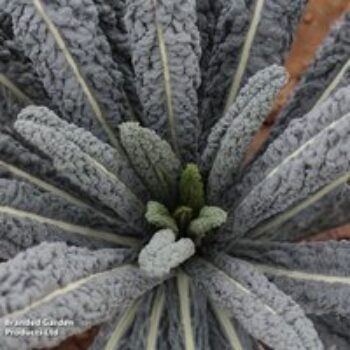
(315, 274)
(73, 59)
(153, 159)
(331, 208)
(85, 173)
(125, 199)
(112, 22)
(263, 87)
(24, 196)
(114, 160)
(172, 316)
(294, 137)
(307, 174)
(19, 84)
(135, 327)
(187, 314)
(35, 169)
(165, 54)
(113, 334)
(30, 215)
(226, 333)
(64, 281)
(20, 230)
(263, 310)
(206, 18)
(163, 253)
(246, 40)
(329, 71)
(330, 211)
(333, 330)
(234, 132)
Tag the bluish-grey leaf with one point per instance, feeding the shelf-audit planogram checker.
(329, 212)
(156, 322)
(30, 215)
(329, 71)
(153, 159)
(162, 253)
(149, 321)
(298, 133)
(19, 84)
(232, 135)
(259, 89)
(114, 334)
(165, 53)
(249, 36)
(73, 59)
(263, 310)
(326, 212)
(226, 333)
(15, 154)
(315, 274)
(20, 161)
(333, 330)
(67, 283)
(114, 160)
(312, 171)
(232, 20)
(12, 98)
(84, 172)
(9, 106)
(187, 315)
(207, 14)
(20, 230)
(111, 21)
(111, 16)
(139, 326)
(25, 196)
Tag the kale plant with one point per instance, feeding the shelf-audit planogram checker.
(125, 198)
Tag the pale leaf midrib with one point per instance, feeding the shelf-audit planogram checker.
(242, 287)
(250, 36)
(183, 286)
(76, 71)
(72, 228)
(304, 145)
(123, 325)
(6, 82)
(227, 327)
(296, 152)
(156, 171)
(61, 291)
(90, 159)
(53, 189)
(166, 75)
(241, 110)
(154, 320)
(301, 275)
(308, 201)
(257, 230)
(333, 84)
(108, 173)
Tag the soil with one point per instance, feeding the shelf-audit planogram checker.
(316, 22)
